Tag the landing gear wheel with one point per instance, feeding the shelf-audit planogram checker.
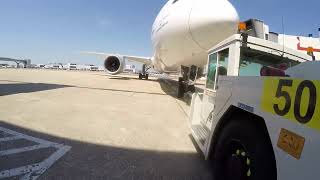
(191, 88)
(147, 76)
(140, 76)
(243, 152)
(181, 90)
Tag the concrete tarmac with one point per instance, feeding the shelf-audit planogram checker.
(88, 125)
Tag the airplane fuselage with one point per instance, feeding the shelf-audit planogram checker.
(182, 33)
(185, 30)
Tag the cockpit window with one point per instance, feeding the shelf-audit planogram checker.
(174, 1)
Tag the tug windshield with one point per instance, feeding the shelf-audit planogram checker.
(254, 62)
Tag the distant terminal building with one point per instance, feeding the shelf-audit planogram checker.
(101, 68)
(53, 66)
(26, 62)
(91, 67)
(4, 65)
(40, 66)
(81, 67)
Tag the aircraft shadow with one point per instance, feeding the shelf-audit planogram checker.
(129, 77)
(15, 87)
(169, 87)
(118, 90)
(121, 78)
(86, 160)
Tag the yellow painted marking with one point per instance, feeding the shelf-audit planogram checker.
(269, 99)
(249, 173)
(248, 161)
(243, 154)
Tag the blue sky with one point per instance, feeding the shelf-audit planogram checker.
(57, 30)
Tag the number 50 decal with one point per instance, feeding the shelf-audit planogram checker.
(293, 99)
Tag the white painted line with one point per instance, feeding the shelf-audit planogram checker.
(46, 164)
(24, 149)
(19, 171)
(35, 170)
(30, 138)
(12, 138)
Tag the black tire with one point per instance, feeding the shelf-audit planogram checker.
(180, 80)
(181, 90)
(147, 76)
(140, 76)
(191, 88)
(243, 152)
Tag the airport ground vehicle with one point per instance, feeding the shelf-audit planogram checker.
(91, 67)
(71, 66)
(258, 117)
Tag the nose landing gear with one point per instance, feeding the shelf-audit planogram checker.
(144, 74)
(188, 79)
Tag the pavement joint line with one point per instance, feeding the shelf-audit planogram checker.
(10, 138)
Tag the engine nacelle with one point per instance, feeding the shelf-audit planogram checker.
(114, 65)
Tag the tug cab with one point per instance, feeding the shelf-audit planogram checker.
(236, 71)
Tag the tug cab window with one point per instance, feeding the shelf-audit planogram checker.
(218, 65)
(253, 62)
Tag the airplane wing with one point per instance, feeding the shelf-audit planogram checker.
(143, 60)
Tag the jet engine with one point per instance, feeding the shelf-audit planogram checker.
(114, 65)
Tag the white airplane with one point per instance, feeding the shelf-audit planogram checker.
(182, 33)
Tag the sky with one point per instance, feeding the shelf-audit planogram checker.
(58, 30)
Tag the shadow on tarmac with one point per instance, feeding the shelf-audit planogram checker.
(17, 87)
(119, 90)
(131, 77)
(169, 87)
(120, 78)
(92, 161)
(23, 87)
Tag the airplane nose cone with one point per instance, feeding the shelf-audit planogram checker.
(211, 21)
